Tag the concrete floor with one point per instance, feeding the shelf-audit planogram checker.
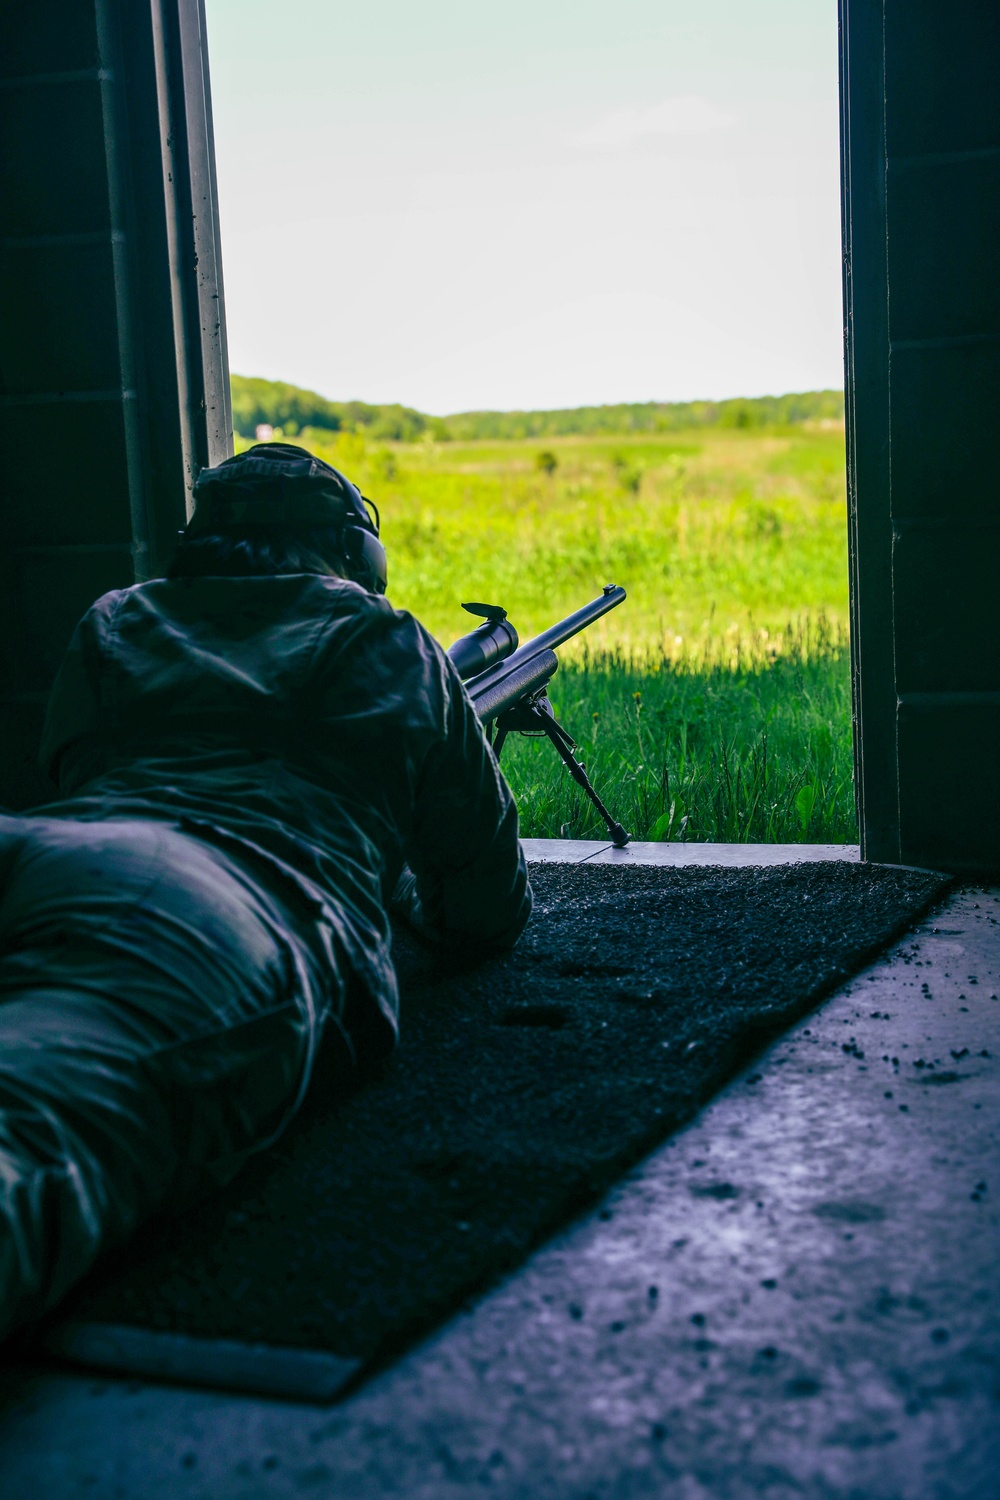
(592, 851)
(796, 1296)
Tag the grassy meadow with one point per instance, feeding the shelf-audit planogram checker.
(715, 703)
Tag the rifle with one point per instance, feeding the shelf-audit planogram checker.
(507, 683)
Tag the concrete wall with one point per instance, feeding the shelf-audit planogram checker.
(921, 113)
(114, 383)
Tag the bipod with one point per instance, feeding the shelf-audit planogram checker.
(534, 716)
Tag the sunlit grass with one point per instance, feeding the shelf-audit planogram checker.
(715, 703)
(721, 533)
(708, 748)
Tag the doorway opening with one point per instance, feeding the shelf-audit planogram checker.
(561, 288)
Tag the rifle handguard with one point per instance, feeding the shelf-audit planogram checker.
(495, 698)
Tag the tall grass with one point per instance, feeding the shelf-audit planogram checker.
(744, 746)
(715, 703)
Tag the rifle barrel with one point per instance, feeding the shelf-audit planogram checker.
(556, 635)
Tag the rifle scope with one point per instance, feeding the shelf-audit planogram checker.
(486, 645)
(556, 635)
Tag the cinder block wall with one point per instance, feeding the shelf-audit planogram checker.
(113, 373)
(921, 110)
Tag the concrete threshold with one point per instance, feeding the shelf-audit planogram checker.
(734, 856)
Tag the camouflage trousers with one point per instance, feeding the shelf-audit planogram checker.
(160, 1010)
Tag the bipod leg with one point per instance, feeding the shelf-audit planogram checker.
(564, 748)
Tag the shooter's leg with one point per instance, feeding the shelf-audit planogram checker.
(157, 1023)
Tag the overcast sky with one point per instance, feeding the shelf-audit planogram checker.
(533, 203)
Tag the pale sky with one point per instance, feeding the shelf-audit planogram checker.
(534, 203)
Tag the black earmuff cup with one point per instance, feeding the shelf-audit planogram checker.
(365, 556)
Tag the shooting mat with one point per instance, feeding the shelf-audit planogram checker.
(520, 1091)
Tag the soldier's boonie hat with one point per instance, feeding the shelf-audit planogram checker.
(277, 485)
(274, 484)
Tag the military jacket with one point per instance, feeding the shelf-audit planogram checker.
(313, 730)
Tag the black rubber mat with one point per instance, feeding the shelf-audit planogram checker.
(521, 1089)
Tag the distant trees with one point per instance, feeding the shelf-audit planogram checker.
(272, 403)
(546, 462)
(275, 404)
(648, 416)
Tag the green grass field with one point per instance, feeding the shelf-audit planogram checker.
(715, 703)
(757, 753)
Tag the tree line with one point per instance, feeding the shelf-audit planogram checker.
(275, 404)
